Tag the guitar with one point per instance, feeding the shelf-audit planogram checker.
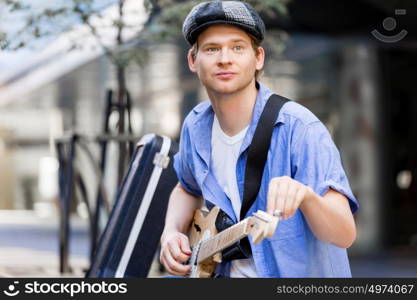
(207, 243)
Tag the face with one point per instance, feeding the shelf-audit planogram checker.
(225, 60)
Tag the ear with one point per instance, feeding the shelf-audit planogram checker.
(191, 62)
(260, 58)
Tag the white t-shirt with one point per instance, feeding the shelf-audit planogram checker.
(224, 154)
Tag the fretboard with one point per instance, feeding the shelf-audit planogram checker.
(222, 240)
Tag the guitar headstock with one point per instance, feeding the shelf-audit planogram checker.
(261, 225)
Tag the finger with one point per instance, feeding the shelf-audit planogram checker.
(168, 262)
(170, 271)
(290, 199)
(281, 195)
(272, 190)
(175, 267)
(176, 252)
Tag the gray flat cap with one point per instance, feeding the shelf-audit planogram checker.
(209, 13)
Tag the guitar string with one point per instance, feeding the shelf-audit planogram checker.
(222, 240)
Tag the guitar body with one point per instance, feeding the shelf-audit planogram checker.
(207, 243)
(202, 228)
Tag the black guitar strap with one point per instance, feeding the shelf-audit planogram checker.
(255, 164)
(258, 151)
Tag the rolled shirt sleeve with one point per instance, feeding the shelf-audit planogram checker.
(317, 162)
(181, 164)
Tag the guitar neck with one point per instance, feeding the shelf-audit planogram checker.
(222, 240)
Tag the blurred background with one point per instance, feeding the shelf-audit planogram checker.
(82, 80)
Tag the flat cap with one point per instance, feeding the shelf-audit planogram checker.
(209, 13)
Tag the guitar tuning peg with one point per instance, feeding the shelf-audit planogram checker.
(263, 216)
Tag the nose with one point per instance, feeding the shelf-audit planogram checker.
(225, 56)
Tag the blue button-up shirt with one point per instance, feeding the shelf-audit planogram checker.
(301, 148)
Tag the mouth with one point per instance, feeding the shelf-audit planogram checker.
(225, 75)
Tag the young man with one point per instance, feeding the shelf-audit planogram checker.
(303, 176)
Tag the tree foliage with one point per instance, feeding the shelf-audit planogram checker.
(164, 24)
(52, 20)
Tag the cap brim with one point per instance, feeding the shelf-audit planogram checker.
(193, 35)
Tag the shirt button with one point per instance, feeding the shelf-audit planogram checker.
(205, 171)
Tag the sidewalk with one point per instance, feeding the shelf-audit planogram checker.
(29, 245)
(20, 262)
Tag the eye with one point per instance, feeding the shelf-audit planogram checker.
(238, 48)
(212, 49)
